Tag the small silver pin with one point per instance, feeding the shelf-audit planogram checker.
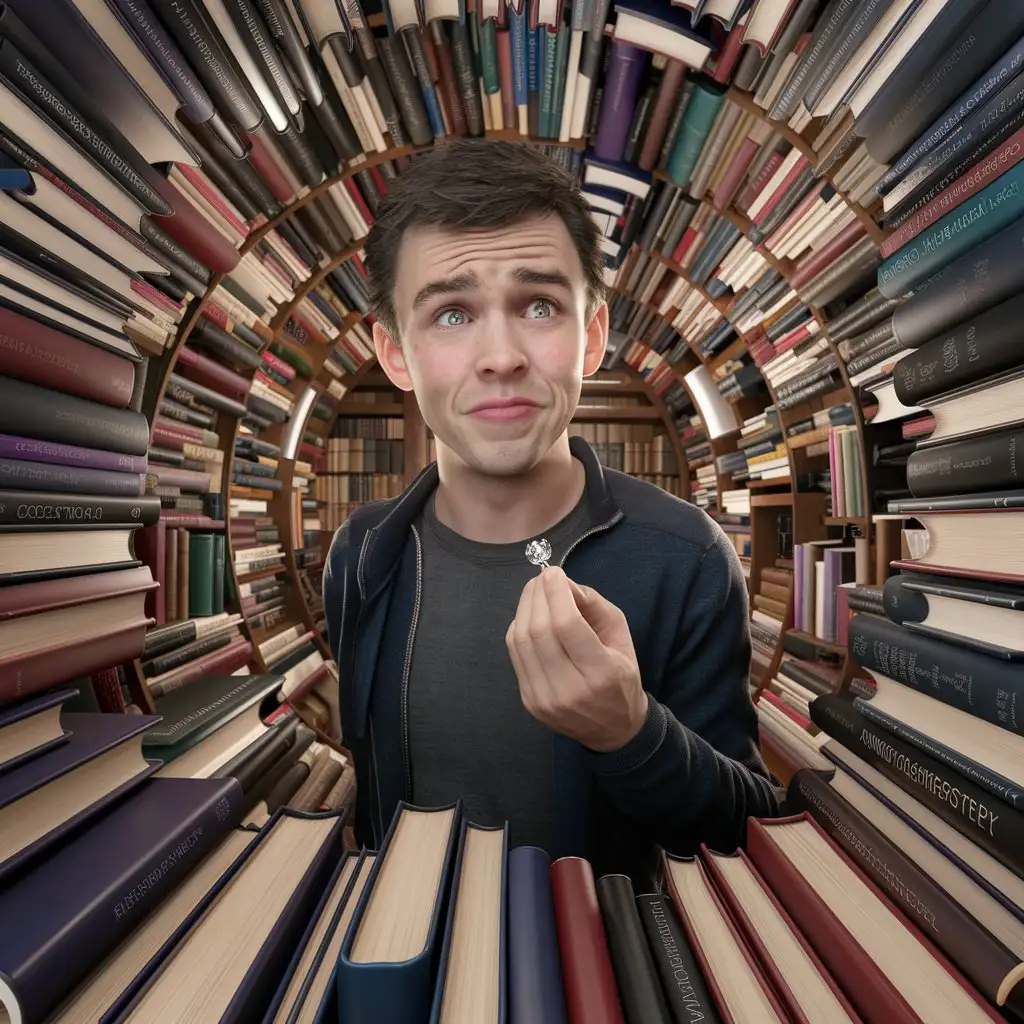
(538, 552)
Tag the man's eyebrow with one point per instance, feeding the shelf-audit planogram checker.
(525, 275)
(446, 286)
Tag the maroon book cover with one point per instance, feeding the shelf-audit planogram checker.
(33, 352)
(591, 994)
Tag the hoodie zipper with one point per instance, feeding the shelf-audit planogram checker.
(408, 663)
(407, 667)
(588, 533)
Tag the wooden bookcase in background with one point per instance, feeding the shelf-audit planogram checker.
(808, 519)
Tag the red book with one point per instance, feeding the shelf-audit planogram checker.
(720, 867)
(730, 970)
(591, 994)
(192, 231)
(41, 355)
(872, 983)
(983, 173)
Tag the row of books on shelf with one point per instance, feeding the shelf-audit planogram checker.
(106, 816)
(927, 746)
(826, 913)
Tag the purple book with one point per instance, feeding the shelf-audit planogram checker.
(91, 736)
(87, 896)
(622, 84)
(29, 449)
(28, 733)
(16, 475)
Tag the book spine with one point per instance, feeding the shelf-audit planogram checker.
(983, 687)
(970, 809)
(982, 958)
(996, 206)
(65, 419)
(674, 960)
(178, 845)
(625, 72)
(66, 119)
(166, 57)
(987, 463)
(981, 346)
(31, 450)
(701, 111)
(1006, 67)
(43, 476)
(969, 184)
(34, 510)
(41, 355)
(991, 273)
(983, 776)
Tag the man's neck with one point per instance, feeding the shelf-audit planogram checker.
(502, 510)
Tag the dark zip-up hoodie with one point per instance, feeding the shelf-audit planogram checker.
(692, 774)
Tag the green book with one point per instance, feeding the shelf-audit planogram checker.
(200, 575)
(219, 547)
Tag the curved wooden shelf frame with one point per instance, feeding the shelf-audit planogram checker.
(157, 385)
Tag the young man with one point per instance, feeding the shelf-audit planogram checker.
(558, 645)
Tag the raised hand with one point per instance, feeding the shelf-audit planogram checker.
(574, 659)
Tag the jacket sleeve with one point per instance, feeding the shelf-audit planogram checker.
(693, 774)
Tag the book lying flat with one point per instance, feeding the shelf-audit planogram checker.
(86, 896)
(46, 797)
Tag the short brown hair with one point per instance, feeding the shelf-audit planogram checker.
(472, 184)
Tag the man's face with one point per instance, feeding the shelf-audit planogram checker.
(493, 339)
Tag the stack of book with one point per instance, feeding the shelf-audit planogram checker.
(115, 827)
(447, 922)
(73, 481)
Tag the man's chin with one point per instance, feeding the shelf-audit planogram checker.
(504, 460)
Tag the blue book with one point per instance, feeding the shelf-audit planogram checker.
(12, 175)
(401, 988)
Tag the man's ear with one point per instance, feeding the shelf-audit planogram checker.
(597, 340)
(391, 358)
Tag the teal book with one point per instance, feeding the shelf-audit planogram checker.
(705, 102)
(961, 230)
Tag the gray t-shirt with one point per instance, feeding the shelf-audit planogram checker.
(469, 734)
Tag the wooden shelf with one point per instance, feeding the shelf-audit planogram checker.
(804, 524)
(369, 409)
(771, 500)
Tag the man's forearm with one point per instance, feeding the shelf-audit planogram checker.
(681, 790)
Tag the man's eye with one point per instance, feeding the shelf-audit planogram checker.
(451, 318)
(540, 309)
